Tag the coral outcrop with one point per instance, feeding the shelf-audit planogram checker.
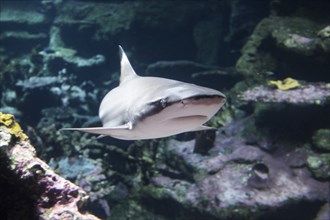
(309, 93)
(279, 43)
(50, 196)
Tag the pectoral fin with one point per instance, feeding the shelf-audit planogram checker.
(203, 127)
(103, 131)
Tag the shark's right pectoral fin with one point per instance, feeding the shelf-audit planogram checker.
(203, 128)
(103, 131)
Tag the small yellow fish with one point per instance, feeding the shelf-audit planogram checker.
(8, 120)
(286, 84)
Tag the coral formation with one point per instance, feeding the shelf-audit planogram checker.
(319, 165)
(321, 139)
(37, 82)
(53, 197)
(289, 36)
(192, 181)
(14, 128)
(309, 93)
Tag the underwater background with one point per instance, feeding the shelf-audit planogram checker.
(268, 159)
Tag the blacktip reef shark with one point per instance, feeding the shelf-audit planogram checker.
(153, 107)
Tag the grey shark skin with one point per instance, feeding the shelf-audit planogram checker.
(153, 107)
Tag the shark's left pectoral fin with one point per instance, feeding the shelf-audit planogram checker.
(100, 136)
(203, 128)
(103, 131)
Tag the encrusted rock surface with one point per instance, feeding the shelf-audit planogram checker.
(293, 41)
(321, 139)
(236, 180)
(320, 165)
(21, 14)
(50, 195)
(305, 94)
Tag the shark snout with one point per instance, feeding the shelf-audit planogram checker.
(204, 106)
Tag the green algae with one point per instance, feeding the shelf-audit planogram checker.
(319, 165)
(321, 139)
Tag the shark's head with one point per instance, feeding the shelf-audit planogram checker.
(183, 107)
(187, 99)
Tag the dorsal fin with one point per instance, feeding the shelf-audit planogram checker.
(126, 70)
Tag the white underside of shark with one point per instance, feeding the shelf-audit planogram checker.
(153, 107)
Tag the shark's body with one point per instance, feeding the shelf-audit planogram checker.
(153, 107)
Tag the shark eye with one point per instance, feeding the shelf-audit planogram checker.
(159, 104)
(163, 102)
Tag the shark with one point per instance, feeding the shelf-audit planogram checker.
(146, 107)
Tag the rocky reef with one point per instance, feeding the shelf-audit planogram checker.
(30, 189)
(268, 159)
